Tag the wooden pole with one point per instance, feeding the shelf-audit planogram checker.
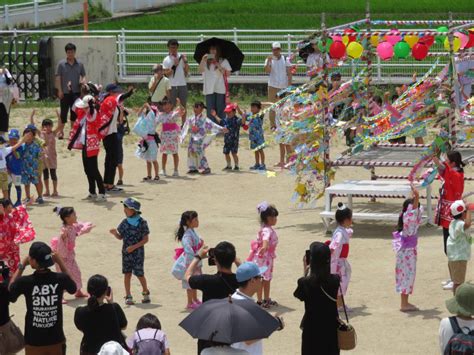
(85, 6)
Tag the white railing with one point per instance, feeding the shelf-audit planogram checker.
(137, 51)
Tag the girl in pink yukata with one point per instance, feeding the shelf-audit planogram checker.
(64, 244)
(339, 246)
(262, 250)
(405, 240)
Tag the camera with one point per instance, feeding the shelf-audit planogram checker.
(4, 271)
(307, 256)
(109, 291)
(212, 257)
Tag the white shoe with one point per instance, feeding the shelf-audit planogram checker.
(101, 198)
(91, 197)
(445, 282)
(176, 174)
(163, 172)
(448, 286)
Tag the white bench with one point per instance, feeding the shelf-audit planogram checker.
(372, 188)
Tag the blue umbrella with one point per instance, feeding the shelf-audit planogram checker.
(230, 321)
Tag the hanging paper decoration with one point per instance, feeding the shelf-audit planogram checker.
(385, 50)
(411, 40)
(456, 43)
(419, 51)
(329, 41)
(402, 50)
(354, 50)
(337, 50)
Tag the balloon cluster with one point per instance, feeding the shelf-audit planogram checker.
(393, 44)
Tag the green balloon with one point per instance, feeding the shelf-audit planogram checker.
(440, 39)
(328, 44)
(401, 49)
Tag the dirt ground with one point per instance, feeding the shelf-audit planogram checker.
(226, 203)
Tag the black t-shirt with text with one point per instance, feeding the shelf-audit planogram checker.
(43, 293)
(100, 326)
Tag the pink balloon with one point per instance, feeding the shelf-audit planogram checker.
(464, 39)
(393, 39)
(337, 38)
(385, 50)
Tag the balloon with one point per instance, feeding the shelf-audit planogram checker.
(328, 45)
(374, 40)
(401, 49)
(336, 38)
(355, 50)
(427, 40)
(345, 40)
(471, 39)
(337, 50)
(456, 43)
(393, 37)
(419, 51)
(463, 38)
(351, 34)
(411, 40)
(385, 50)
(440, 39)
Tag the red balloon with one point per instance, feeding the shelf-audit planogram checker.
(470, 43)
(337, 50)
(419, 51)
(427, 40)
(351, 34)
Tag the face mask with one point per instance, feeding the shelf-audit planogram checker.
(134, 220)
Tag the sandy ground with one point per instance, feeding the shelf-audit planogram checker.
(226, 204)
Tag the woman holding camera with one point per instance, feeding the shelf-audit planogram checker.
(215, 71)
(101, 320)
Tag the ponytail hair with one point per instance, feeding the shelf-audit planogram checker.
(186, 217)
(96, 287)
(455, 157)
(406, 203)
(63, 212)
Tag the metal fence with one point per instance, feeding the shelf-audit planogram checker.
(138, 50)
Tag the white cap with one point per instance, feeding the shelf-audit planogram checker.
(458, 207)
(276, 45)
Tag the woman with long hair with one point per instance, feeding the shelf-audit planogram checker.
(318, 290)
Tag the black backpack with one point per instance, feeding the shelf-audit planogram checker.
(461, 343)
(148, 346)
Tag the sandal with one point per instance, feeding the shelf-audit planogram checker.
(146, 297)
(270, 303)
(157, 178)
(129, 300)
(147, 178)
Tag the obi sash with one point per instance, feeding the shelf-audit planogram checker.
(179, 251)
(167, 127)
(344, 252)
(401, 242)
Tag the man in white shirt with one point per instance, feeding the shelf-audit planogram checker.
(462, 305)
(249, 277)
(280, 75)
(176, 68)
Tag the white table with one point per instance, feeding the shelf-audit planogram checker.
(373, 188)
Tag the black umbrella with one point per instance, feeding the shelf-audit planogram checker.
(230, 321)
(228, 51)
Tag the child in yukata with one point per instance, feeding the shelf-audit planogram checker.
(14, 164)
(231, 139)
(30, 172)
(257, 140)
(65, 244)
(201, 130)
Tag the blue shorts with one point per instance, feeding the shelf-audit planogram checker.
(232, 147)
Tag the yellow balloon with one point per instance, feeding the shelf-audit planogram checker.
(354, 50)
(374, 41)
(411, 40)
(345, 40)
(456, 44)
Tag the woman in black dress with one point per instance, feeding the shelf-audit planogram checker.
(318, 291)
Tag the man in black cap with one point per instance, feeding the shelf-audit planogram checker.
(43, 291)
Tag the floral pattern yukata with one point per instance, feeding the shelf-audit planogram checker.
(339, 246)
(31, 163)
(170, 132)
(191, 244)
(146, 128)
(266, 233)
(257, 140)
(15, 229)
(404, 243)
(202, 131)
(65, 244)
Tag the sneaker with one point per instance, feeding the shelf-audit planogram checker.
(228, 167)
(262, 167)
(129, 300)
(255, 167)
(120, 183)
(146, 178)
(193, 171)
(206, 171)
(445, 282)
(163, 172)
(448, 286)
(114, 189)
(39, 201)
(91, 197)
(101, 198)
(146, 297)
(175, 173)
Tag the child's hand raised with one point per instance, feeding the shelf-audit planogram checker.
(114, 232)
(213, 113)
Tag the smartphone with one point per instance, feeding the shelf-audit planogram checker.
(307, 256)
(109, 291)
(212, 258)
(211, 56)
